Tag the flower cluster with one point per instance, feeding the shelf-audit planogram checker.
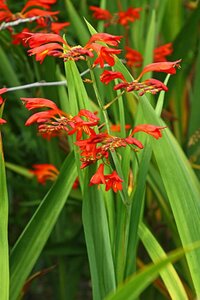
(96, 147)
(135, 58)
(149, 85)
(2, 91)
(32, 8)
(38, 11)
(44, 172)
(48, 44)
(122, 17)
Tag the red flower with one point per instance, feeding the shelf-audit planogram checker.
(122, 85)
(90, 152)
(38, 39)
(161, 52)
(42, 3)
(2, 121)
(79, 126)
(133, 57)
(98, 177)
(76, 53)
(148, 86)
(105, 54)
(88, 114)
(114, 182)
(19, 38)
(39, 12)
(166, 67)
(112, 40)
(107, 76)
(100, 13)
(29, 9)
(76, 183)
(153, 130)
(117, 127)
(130, 15)
(2, 91)
(32, 103)
(50, 49)
(44, 172)
(5, 14)
(58, 26)
(132, 141)
(44, 44)
(55, 27)
(153, 86)
(41, 117)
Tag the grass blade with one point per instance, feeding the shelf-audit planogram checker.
(136, 284)
(184, 195)
(77, 23)
(98, 243)
(31, 242)
(169, 275)
(4, 260)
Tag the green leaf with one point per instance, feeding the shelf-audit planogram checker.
(19, 170)
(136, 284)
(4, 259)
(181, 186)
(194, 122)
(169, 274)
(9, 74)
(98, 242)
(180, 182)
(149, 45)
(31, 242)
(77, 23)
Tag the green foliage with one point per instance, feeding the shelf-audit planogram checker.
(114, 243)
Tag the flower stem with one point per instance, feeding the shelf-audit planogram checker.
(111, 102)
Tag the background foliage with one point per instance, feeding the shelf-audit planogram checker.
(84, 243)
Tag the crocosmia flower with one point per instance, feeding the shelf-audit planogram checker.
(153, 130)
(44, 172)
(108, 76)
(134, 58)
(105, 55)
(114, 182)
(2, 121)
(100, 13)
(111, 181)
(161, 52)
(112, 40)
(168, 67)
(2, 91)
(98, 177)
(130, 15)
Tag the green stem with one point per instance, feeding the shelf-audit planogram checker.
(99, 99)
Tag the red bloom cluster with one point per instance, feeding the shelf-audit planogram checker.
(150, 85)
(96, 147)
(38, 11)
(53, 122)
(111, 181)
(43, 44)
(44, 172)
(2, 121)
(135, 58)
(2, 91)
(32, 8)
(130, 15)
(122, 17)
